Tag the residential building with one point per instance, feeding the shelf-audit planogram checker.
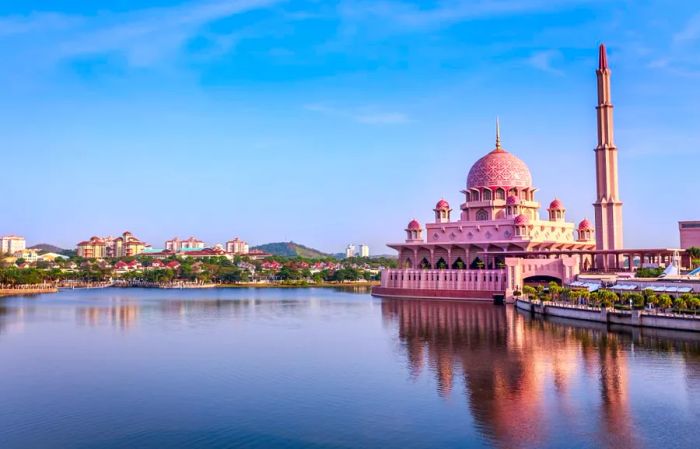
(237, 246)
(350, 251)
(364, 250)
(100, 247)
(128, 245)
(690, 234)
(95, 248)
(29, 255)
(175, 244)
(10, 244)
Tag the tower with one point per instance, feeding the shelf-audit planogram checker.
(608, 207)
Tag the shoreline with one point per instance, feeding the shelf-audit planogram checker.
(6, 293)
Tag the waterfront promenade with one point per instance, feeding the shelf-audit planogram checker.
(609, 315)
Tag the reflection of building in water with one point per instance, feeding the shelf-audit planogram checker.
(512, 368)
(121, 315)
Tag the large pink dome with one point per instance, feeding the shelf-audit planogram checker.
(499, 168)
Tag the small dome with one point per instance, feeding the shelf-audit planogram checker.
(414, 225)
(556, 205)
(585, 225)
(442, 204)
(512, 199)
(521, 219)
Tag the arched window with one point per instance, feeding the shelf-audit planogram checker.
(458, 264)
(500, 194)
(482, 215)
(468, 196)
(487, 195)
(475, 196)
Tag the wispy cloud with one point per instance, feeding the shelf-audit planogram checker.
(449, 12)
(543, 60)
(690, 32)
(366, 115)
(679, 57)
(143, 37)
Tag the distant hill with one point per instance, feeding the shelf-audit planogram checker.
(290, 249)
(48, 248)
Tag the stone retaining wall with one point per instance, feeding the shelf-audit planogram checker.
(636, 318)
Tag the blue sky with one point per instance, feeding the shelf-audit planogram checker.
(332, 122)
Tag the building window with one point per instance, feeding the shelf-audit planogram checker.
(487, 195)
(500, 194)
(482, 215)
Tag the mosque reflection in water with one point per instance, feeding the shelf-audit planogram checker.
(523, 377)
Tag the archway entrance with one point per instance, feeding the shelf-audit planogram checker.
(544, 281)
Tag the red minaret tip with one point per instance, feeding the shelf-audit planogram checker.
(602, 58)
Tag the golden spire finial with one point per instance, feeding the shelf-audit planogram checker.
(498, 134)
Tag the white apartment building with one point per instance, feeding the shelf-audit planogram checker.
(10, 244)
(350, 251)
(237, 246)
(364, 250)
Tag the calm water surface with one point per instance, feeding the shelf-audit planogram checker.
(319, 368)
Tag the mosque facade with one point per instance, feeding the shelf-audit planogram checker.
(486, 246)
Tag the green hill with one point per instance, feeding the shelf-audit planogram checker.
(290, 249)
(48, 248)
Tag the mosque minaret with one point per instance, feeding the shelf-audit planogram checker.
(608, 207)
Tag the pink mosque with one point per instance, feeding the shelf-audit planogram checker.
(498, 242)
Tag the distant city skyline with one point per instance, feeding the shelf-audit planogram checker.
(240, 118)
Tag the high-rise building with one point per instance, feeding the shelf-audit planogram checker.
(608, 207)
(10, 244)
(350, 251)
(364, 250)
(237, 246)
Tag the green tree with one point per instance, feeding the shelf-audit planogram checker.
(529, 291)
(637, 300)
(554, 290)
(679, 304)
(664, 301)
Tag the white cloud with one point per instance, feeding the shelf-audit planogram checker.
(142, 37)
(365, 115)
(690, 32)
(543, 60)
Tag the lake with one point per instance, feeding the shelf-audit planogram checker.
(325, 368)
